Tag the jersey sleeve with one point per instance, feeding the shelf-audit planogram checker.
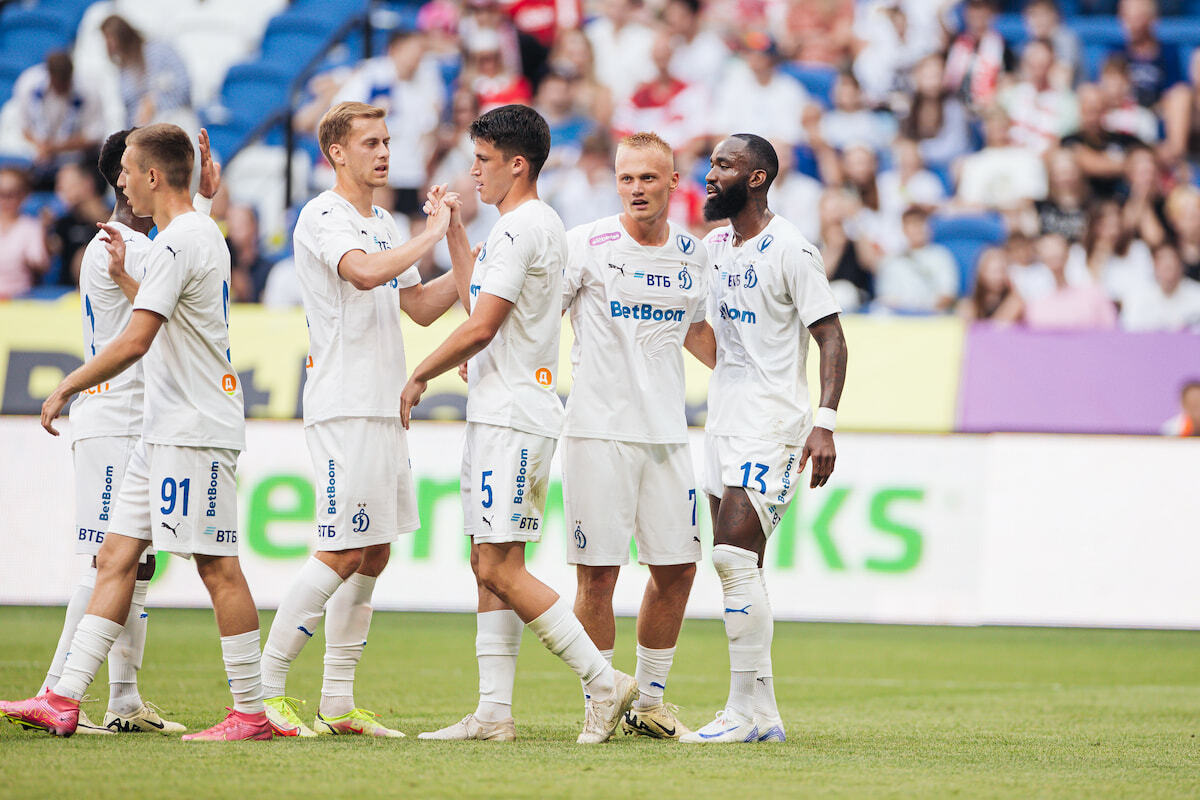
(573, 269)
(703, 277)
(804, 275)
(163, 283)
(514, 257)
(330, 235)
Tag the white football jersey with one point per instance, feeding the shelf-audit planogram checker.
(193, 398)
(512, 381)
(114, 408)
(356, 351)
(631, 307)
(765, 294)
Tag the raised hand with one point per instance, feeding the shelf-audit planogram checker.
(115, 245)
(210, 169)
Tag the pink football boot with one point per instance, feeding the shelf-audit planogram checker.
(236, 727)
(48, 712)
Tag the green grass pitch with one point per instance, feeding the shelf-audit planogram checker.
(872, 711)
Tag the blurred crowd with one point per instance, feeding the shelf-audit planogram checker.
(931, 115)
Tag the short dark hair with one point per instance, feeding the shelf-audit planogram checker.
(111, 151)
(762, 155)
(515, 130)
(1188, 385)
(692, 5)
(58, 65)
(914, 212)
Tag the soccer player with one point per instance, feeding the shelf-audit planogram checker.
(513, 291)
(180, 488)
(356, 276)
(768, 286)
(636, 285)
(106, 422)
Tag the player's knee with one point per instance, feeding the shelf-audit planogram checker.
(344, 562)
(374, 559)
(218, 572)
(117, 558)
(495, 577)
(674, 578)
(596, 582)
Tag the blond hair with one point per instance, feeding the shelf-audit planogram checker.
(336, 123)
(164, 147)
(646, 140)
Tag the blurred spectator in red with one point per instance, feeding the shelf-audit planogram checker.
(572, 54)
(1041, 112)
(154, 81)
(1181, 118)
(978, 56)
(820, 32)
(485, 73)
(664, 104)
(936, 119)
(621, 46)
(992, 298)
(1000, 176)
(1187, 421)
(23, 256)
(249, 268)
(543, 19)
(1116, 260)
(699, 53)
(757, 96)
(1043, 20)
(1063, 211)
(1183, 215)
(850, 121)
(906, 184)
(1153, 65)
(59, 116)
(1171, 303)
(1099, 152)
(1122, 114)
(409, 88)
(1070, 305)
(921, 279)
(849, 264)
(80, 190)
(487, 17)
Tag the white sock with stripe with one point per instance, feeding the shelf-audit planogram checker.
(76, 608)
(125, 658)
(747, 621)
(296, 622)
(347, 622)
(653, 666)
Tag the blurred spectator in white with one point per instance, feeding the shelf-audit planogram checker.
(851, 122)
(699, 52)
(1144, 209)
(1153, 66)
(978, 56)
(1118, 262)
(572, 53)
(488, 76)
(1099, 152)
(587, 191)
(283, 287)
(485, 20)
(1063, 211)
(453, 150)
(1041, 112)
(1183, 214)
(1030, 278)
(936, 119)
(1069, 305)
(992, 298)
(921, 279)
(906, 184)
(1181, 118)
(23, 256)
(81, 190)
(249, 268)
(153, 78)
(757, 96)
(820, 32)
(1187, 421)
(665, 104)
(849, 264)
(1043, 20)
(60, 117)
(1171, 303)
(855, 173)
(556, 101)
(1000, 176)
(794, 195)
(887, 50)
(1122, 114)
(621, 46)
(409, 88)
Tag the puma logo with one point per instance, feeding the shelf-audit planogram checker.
(168, 527)
(511, 239)
(174, 253)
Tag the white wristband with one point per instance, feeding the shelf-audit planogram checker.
(202, 204)
(825, 418)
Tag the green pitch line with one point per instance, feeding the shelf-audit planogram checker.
(872, 711)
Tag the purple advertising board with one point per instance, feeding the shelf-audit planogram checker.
(1073, 382)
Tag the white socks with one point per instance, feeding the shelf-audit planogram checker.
(764, 686)
(94, 637)
(125, 658)
(562, 634)
(241, 656)
(296, 622)
(497, 643)
(608, 656)
(652, 669)
(76, 608)
(747, 623)
(347, 621)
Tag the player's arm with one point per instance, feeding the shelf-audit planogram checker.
(701, 341)
(210, 176)
(467, 339)
(425, 302)
(462, 256)
(819, 446)
(120, 354)
(115, 245)
(365, 270)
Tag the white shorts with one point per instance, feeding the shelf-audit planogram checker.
(504, 481)
(614, 489)
(183, 499)
(365, 491)
(768, 471)
(99, 470)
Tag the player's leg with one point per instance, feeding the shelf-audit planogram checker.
(766, 711)
(594, 587)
